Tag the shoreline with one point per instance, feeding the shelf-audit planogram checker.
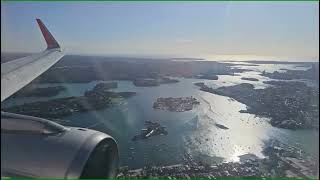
(281, 161)
(283, 103)
(98, 98)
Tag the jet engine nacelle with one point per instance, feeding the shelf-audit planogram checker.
(38, 148)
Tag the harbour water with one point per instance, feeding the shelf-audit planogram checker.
(192, 132)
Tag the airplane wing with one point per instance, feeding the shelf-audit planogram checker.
(18, 73)
(39, 148)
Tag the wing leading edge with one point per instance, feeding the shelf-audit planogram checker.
(18, 73)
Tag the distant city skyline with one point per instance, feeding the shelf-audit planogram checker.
(210, 30)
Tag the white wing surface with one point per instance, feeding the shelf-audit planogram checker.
(18, 73)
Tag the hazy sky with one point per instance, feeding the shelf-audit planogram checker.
(256, 30)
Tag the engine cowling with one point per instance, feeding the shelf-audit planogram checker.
(38, 148)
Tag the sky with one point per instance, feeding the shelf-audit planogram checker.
(211, 30)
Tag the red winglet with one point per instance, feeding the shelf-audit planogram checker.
(51, 42)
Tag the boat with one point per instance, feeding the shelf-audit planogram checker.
(221, 126)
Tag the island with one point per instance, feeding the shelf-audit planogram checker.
(152, 129)
(249, 79)
(179, 104)
(97, 98)
(31, 91)
(290, 105)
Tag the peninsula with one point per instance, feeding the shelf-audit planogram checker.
(153, 82)
(31, 91)
(311, 74)
(97, 98)
(290, 105)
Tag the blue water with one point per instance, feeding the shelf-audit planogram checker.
(193, 131)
